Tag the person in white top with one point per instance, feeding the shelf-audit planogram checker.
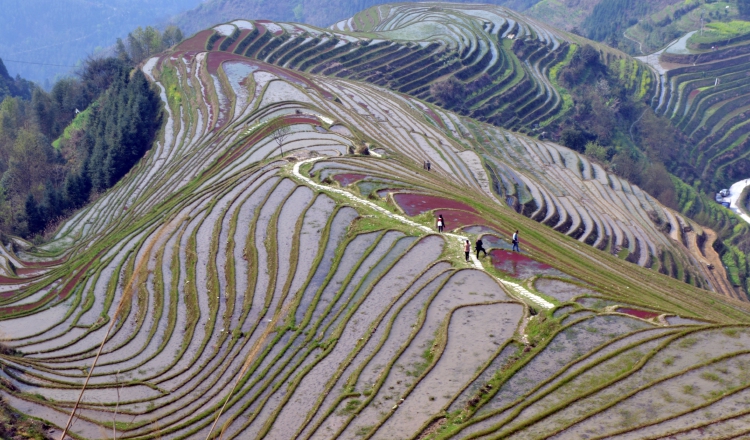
(515, 241)
(440, 223)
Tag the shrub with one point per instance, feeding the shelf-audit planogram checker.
(450, 92)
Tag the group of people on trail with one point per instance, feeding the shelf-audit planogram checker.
(478, 246)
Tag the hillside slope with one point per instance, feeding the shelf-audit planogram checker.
(705, 92)
(483, 61)
(501, 67)
(255, 280)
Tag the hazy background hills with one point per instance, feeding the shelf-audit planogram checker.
(63, 32)
(316, 12)
(60, 33)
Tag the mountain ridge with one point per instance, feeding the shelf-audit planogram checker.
(273, 268)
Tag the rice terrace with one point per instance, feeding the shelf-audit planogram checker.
(271, 267)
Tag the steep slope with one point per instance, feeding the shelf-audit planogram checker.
(486, 62)
(10, 87)
(501, 67)
(705, 93)
(221, 289)
(478, 49)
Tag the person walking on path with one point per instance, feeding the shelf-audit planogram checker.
(467, 249)
(428, 165)
(515, 241)
(480, 247)
(440, 223)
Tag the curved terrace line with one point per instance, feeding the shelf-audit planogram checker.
(516, 288)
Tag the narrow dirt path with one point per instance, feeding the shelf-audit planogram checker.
(707, 256)
(640, 45)
(514, 288)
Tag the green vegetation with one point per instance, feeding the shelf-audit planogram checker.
(13, 88)
(40, 184)
(14, 425)
(721, 32)
(235, 292)
(144, 43)
(609, 18)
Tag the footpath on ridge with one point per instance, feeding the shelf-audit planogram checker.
(514, 288)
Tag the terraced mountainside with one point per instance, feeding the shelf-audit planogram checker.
(501, 65)
(250, 280)
(498, 66)
(706, 93)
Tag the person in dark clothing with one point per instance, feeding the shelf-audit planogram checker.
(428, 165)
(440, 223)
(480, 247)
(467, 249)
(515, 241)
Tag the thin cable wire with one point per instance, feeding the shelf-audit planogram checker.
(31, 62)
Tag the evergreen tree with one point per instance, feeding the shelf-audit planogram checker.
(744, 7)
(34, 220)
(122, 129)
(171, 36)
(52, 203)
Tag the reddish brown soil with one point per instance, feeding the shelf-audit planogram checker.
(28, 270)
(61, 294)
(195, 43)
(435, 118)
(455, 219)
(348, 178)
(643, 314)
(516, 264)
(216, 58)
(692, 95)
(44, 264)
(415, 204)
(239, 39)
(217, 43)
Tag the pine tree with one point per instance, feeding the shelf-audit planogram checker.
(744, 8)
(34, 219)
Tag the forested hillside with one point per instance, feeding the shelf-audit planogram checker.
(101, 124)
(13, 87)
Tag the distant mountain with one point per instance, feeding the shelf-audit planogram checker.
(59, 34)
(315, 12)
(634, 26)
(595, 18)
